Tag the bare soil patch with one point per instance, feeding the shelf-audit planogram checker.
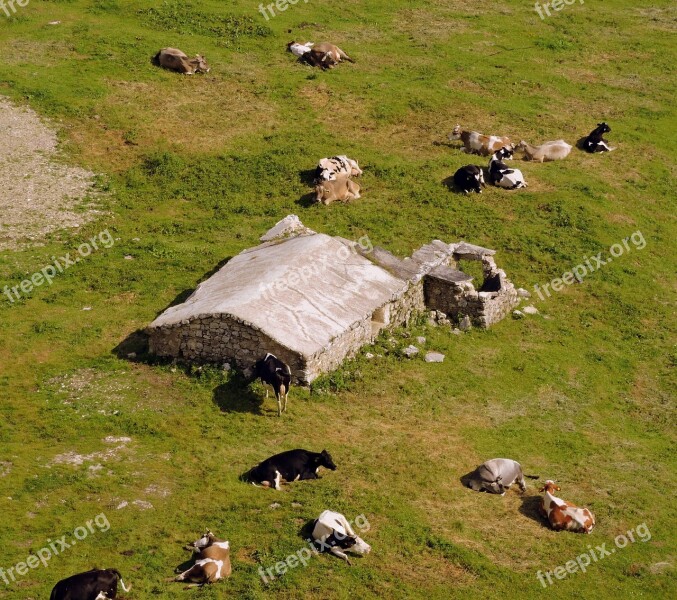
(39, 194)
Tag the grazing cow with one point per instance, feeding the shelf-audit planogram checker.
(556, 150)
(503, 176)
(342, 189)
(325, 55)
(332, 533)
(497, 475)
(274, 372)
(175, 60)
(212, 561)
(97, 584)
(476, 143)
(299, 49)
(595, 142)
(292, 465)
(469, 179)
(564, 515)
(328, 169)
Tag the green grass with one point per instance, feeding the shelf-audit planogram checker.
(199, 167)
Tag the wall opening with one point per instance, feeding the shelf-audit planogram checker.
(379, 319)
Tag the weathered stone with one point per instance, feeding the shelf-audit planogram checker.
(465, 324)
(517, 314)
(522, 293)
(420, 339)
(434, 357)
(410, 351)
(530, 310)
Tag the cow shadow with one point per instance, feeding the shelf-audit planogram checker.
(580, 143)
(307, 200)
(465, 479)
(306, 530)
(237, 396)
(530, 508)
(307, 176)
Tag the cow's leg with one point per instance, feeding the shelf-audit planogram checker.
(279, 403)
(336, 551)
(191, 574)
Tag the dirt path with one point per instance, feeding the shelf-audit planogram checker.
(38, 194)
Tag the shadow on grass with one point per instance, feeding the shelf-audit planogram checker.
(530, 508)
(307, 200)
(306, 531)
(237, 396)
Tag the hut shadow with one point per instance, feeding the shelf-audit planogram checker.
(530, 508)
(135, 346)
(236, 396)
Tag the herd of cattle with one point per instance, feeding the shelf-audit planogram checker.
(331, 531)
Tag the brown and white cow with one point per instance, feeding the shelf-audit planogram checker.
(325, 55)
(563, 515)
(212, 561)
(342, 189)
(477, 143)
(175, 60)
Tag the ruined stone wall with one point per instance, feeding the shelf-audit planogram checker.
(219, 339)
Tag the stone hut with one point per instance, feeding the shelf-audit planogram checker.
(314, 300)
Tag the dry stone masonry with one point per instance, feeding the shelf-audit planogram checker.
(315, 300)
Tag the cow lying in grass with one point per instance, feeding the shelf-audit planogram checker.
(97, 584)
(563, 515)
(555, 150)
(342, 189)
(293, 465)
(332, 533)
(175, 60)
(477, 143)
(503, 176)
(469, 179)
(328, 169)
(497, 475)
(325, 56)
(212, 561)
(594, 142)
(299, 50)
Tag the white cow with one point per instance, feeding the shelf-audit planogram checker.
(332, 533)
(502, 175)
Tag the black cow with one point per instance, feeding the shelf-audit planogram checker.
(290, 466)
(274, 372)
(469, 179)
(97, 584)
(595, 142)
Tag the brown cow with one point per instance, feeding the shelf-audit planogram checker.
(563, 515)
(325, 55)
(342, 188)
(213, 560)
(175, 60)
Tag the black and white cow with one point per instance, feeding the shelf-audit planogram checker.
(503, 176)
(332, 533)
(277, 374)
(497, 475)
(97, 584)
(328, 169)
(290, 466)
(595, 142)
(469, 179)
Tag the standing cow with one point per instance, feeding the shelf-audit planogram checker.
(277, 374)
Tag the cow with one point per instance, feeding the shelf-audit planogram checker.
(563, 515)
(212, 561)
(595, 142)
(476, 143)
(299, 49)
(332, 533)
(342, 189)
(175, 60)
(292, 465)
(497, 475)
(328, 169)
(97, 584)
(469, 179)
(503, 176)
(325, 56)
(277, 374)
(555, 150)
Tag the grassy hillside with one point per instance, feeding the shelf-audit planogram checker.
(197, 168)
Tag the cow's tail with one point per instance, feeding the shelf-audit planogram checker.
(122, 583)
(532, 476)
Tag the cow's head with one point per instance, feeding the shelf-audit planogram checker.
(326, 460)
(550, 486)
(206, 540)
(355, 170)
(521, 146)
(603, 127)
(358, 545)
(456, 133)
(200, 64)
